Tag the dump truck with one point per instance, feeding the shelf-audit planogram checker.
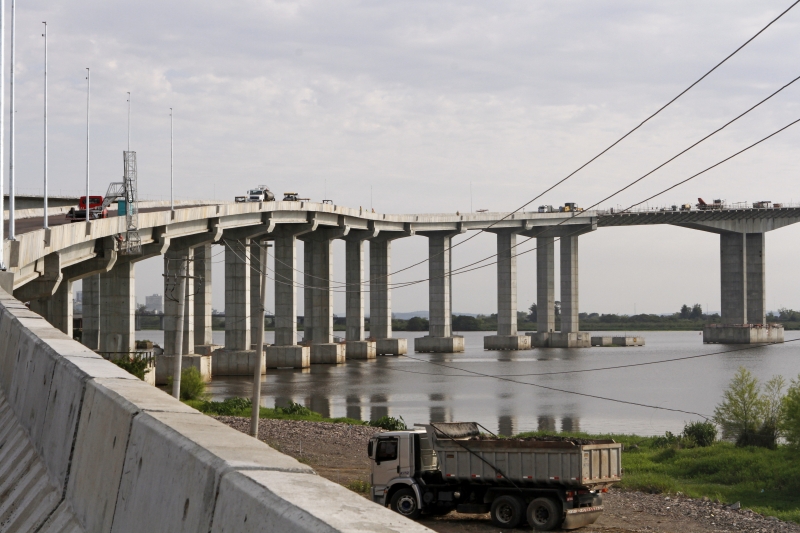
(98, 205)
(548, 482)
(702, 205)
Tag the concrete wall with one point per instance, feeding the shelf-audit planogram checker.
(85, 446)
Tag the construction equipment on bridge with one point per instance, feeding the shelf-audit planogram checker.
(551, 482)
(292, 197)
(703, 206)
(763, 204)
(571, 207)
(131, 244)
(98, 205)
(259, 194)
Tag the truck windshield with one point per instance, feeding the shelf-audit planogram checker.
(387, 450)
(255, 192)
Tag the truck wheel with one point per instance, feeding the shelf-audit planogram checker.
(544, 514)
(507, 511)
(404, 501)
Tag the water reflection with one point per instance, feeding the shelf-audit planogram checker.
(422, 392)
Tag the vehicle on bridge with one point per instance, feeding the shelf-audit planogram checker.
(546, 209)
(259, 194)
(292, 197)
(716, 205)
(548, 481)
(571, 207)
(98, 205)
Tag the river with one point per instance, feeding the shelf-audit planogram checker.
(420, 391)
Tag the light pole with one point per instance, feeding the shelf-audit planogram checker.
(129, 121)
(11, 178)
(2, 116)
(171, 165)
(88, 101)
(45, 126)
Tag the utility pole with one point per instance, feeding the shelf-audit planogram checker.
(11, 176)
(2, 117)
(45, 130)
(180, 283)
(259, 343)
(171, 165)
(88, 94)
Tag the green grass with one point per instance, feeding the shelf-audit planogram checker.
(766, 481)
(219, 408)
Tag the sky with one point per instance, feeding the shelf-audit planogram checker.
(415, 107)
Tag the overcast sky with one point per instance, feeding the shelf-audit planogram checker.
(431, 107)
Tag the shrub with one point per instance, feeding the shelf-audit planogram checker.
(294, 409)
(229, 407)
(192, 385)
(135, 365)
(790, 424)
(357, 485)
(702, 433)
(389, 423)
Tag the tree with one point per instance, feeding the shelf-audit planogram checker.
(773, 411)
(534, 315)
(685, 311)
(465, 323)
(790, 423)
(141, 309)
(697, 311)
(741, 412)
(417, 324)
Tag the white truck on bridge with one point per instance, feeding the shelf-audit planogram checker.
(548, 482)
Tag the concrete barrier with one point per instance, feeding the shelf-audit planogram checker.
(85, 446)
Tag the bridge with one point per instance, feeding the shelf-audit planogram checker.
(84, 446)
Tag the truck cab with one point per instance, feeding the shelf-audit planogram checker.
(399, 456)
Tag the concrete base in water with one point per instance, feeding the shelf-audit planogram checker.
(165, 365)
(743, 333)
(426, 344)
(327, 354)
(206, 349)
(617, 341)
(391, 346)
(235, 363)
(361, 349)
(556, 339)
(507, 342)
(294, 356)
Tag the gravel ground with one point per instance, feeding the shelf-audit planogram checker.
(338, 452)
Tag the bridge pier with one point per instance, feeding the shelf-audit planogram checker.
(318, 320)
(202, 297)
(172, 261)
(90, 312)
(118, 306)
(356, 346)
(742, 290)
(440, 336)
(380, 295)
(507, 337)
(237, 295)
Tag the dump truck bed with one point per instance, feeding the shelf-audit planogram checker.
(465, 455)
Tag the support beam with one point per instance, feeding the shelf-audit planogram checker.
(237, 294)
(756, 278)
(322, 297)
(173, 260)
(45, 285)
(545, 285)
(439, 285)
(308, 288)
(733, 277)
(569, 284)
(354, 277)
(506, 283)
(90, 337)
(285, 296)
(255, 288)
(118, 305)
(60, 308)
(380, 295)
(202, 296)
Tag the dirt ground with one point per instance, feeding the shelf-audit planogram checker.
(338, 452)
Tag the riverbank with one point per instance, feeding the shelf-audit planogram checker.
(338, 452)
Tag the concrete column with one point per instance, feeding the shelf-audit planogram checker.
(60, 307)
(255, 287)
(380, 296)
(439, 285)
(285, 301)
(118, 304)
(237, 295)
(733, 277)
(172, 261)
(202, 295)
(322, 297)
(506, 283)
(354, 276)
(756, 283)
(569, 284)
(308, 289)
(545, 284)
(90, 336)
